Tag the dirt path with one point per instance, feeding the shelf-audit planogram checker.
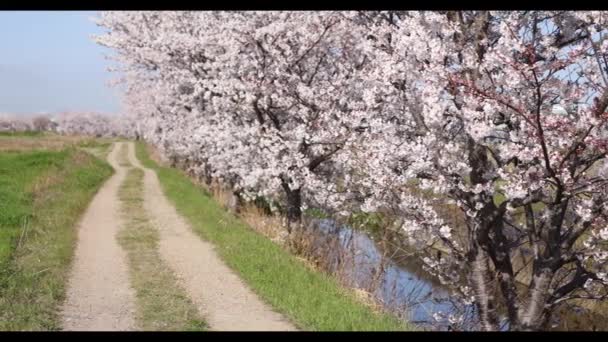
(222, 298)
(99, 296)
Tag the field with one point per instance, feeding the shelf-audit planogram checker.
(29, 141)
(46, 183)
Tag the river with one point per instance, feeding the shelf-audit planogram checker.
(399, 283)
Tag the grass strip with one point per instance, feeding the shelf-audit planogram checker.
(161, 303)
(312, 300)
(52, 190)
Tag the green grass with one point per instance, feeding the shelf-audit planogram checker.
(22, 134)
(100, 148)
(161, 303)
(42, 195)
(312, 300)
(18, 171)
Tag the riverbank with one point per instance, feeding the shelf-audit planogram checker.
(312, 300)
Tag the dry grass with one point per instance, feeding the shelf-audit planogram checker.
(156, 156)
(99, 147)
(367, 299)
(44, 142)
(123, 156)
(41, 185)
(300, 243)
(270, 226)
(161, 303)
(222, 196)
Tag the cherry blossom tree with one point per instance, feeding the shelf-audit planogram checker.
(89, 123)
(297, 81)
(500, 116)
(280, 75)
(13, 123)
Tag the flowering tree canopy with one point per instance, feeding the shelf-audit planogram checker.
(501, 115)
(90, 123)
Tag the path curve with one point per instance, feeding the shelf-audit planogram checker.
(99, 296)
(222, 298)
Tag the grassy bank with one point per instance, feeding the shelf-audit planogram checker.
(42, 195)
(22, 134)
(312, 300)
(48, 141)
(161, 303)
(100, 148)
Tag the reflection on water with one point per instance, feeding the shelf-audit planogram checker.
(403, 287)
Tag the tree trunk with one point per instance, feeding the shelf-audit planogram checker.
(207, 175)
(534, 314)
(484, 293)
(294, 202)
(236, 201)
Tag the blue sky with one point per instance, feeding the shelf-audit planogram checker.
(49, 63)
